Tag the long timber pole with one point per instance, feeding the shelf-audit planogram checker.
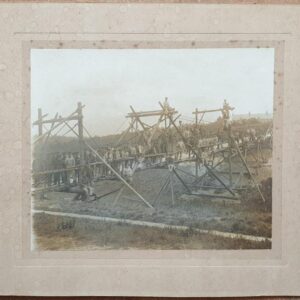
(210, 171)
(248, 170)
(40, 122)
(114, 171)
(119, 176)
(61, 120)
(80, 136)
(123, 135)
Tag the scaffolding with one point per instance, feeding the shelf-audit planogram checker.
(223, 153)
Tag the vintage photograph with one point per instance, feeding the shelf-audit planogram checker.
(161, 149)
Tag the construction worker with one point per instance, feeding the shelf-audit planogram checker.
(179, 150)
(69, 164)
(56, 164)
(226, 114)
(128, 173)
(77, 164)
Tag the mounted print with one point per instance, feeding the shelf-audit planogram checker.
(152, 148)
(149, 148)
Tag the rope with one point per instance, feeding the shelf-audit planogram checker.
(70, 130)
(59, 130)
(92, 138)
(120, 126)
(59, 123)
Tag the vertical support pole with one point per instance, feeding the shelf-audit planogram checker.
(197, 161)
(42, 157)
(40, 122)
(230, 164)
(230, 144)
(80, 136)
(164, 108)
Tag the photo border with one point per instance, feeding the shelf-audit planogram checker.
(160, 257)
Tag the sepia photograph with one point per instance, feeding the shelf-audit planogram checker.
(151, 149)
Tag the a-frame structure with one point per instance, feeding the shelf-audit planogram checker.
(143, 130)
(231, 149)
(59, 121)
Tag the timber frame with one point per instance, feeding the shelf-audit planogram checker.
(77, 116)
(168, 116)
(138, 125)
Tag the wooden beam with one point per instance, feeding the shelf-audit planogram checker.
(40, 121)
(206, 111)
(210, 171)
(80, 133)
(59, 122)
(116, 173)
(50, 121)
(149, 113)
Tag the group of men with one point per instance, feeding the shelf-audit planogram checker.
(70, 167)
(58, 163)
(66, 168)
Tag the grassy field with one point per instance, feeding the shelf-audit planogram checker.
(64, 233)
(248, 216)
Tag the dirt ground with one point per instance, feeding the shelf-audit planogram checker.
(246, 216)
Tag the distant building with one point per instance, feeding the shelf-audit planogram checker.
(265, 116)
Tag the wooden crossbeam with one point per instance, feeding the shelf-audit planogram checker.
(54, 120)
(103, 160)
(206, 111)
(150, 113)
(210, 110)
(209, 170)
(59, 123)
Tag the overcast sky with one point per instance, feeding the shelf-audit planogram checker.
(108, 81)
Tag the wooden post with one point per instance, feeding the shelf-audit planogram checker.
(118, 175)
(247, 168)
(209, 170)
(197, 161)
(40, 122)
(80, 136)
(230, 163)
